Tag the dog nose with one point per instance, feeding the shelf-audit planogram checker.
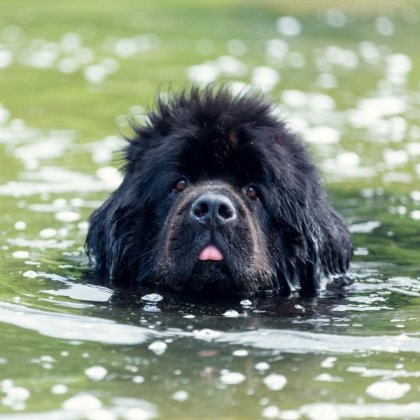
(213, 209)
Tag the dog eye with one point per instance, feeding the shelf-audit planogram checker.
(180, 185)
(252, 193)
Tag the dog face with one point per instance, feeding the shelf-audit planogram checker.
(218, 198)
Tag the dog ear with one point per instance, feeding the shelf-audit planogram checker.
(337, 245)
(105, 242)
(97, 239)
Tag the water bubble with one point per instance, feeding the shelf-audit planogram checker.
(276, 49)
(326, 377)
(395, 157)
(365, 227)
(322, 135)
(17, 393)
(206, 334)
(275, 382)
(271, 412)
(245, 302)
(388, 389)
(180, 396)
(262, 366)
(20, 254)
(6, 58)
(236, 47)
(288, 26)
(67, 65)
(82, 402)
(59, 389)
(204, 46)
(294, 98)
(70, 41)
(67, 216)
(20, 225)
(48, 233)
(12, 33)
(336, 18)
(415, 214)
(110, 176)
(328, 362)
(265, 78)
(158, 347)
(95, 73)
(232, 378)
(96, 373)
(240, 353)
(125, 47)
(384, 26)
(203, 73)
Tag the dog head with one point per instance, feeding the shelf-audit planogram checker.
(218, 197)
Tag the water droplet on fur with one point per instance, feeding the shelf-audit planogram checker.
(231, 313)
(152, 298)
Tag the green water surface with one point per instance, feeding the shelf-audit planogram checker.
(344, 74)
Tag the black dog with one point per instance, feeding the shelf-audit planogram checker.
(218, 197)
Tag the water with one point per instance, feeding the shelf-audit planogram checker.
(345, 79)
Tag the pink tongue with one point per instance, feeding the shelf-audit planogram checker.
(210, 252)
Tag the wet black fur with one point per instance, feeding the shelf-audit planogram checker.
(287, 240)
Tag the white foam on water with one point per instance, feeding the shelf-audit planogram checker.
(388, 389)
(95, 73)
(307, 342)
(370, 111)
(276, 49)
(384, 25)
(67, 216)
(265, 78)
(336, 411)
(6, 58)
(158, 347)
(262, 366)
(288, 26)
(364, 227)
(275, 382)
(203, 73)
(55, 180)
(73, 327)
(295, 98)
(322, 135)
(231, 66)
(236, 47)
(395, 157)
(326, 377)
(232, 378)
(336, 18)
(180, 396)
(96, 373)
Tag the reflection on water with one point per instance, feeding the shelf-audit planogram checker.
(70, 349)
